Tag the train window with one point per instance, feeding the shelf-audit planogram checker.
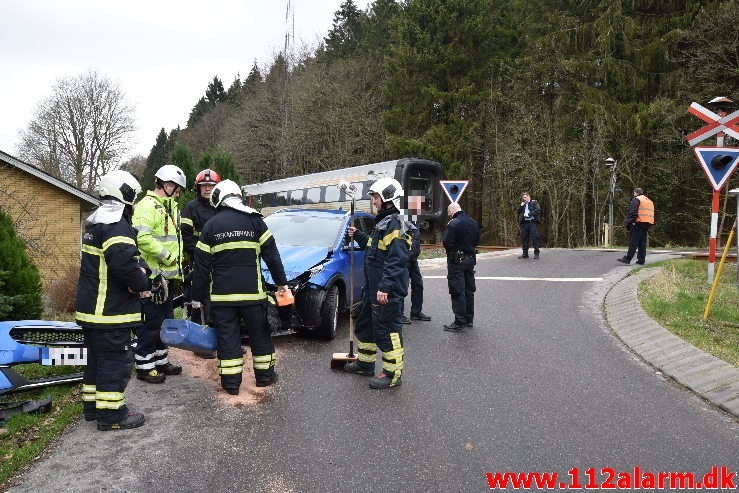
(419, 186)
(333, 194)
(313, 195)
(296, 197)
(280, 198)
(423, 187)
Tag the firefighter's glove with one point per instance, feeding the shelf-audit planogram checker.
(159, 290)
(196, 304)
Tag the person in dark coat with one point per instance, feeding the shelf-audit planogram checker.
(194, 215)
(378, 324)
(228, 273)
(461, 237)
(529, 216)
(107, 304)
(639, 219)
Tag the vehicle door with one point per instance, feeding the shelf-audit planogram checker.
(365, 224)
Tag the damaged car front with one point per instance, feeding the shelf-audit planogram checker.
(317, 260)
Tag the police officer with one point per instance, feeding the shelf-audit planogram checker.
(529, 214)
(461, 237)
(107, 304)
(194, 216)
(227, 260)
(157, 219)
(378, 324)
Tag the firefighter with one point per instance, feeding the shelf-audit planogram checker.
(107, 303)
(157, 219)
(227, 260)
(378, 324)
(194, 216)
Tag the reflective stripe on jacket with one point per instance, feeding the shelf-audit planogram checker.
(159, 239)
(227, 259)
(645, 213)
(108, 268)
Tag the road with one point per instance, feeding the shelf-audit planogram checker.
(540, 384)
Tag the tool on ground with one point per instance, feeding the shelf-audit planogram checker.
(338, 360)
(9, 409)
(186, 334)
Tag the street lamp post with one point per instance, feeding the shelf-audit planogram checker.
(610, 164)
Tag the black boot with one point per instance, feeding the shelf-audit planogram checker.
(150, 376)
(384, 381)
(169, 369)
(265, 378)
(355, 367)
(133, 420)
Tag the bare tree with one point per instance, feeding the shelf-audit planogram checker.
(81, 131)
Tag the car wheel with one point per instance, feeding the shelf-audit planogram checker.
(329, 314)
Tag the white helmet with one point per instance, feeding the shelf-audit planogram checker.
(121, 185)
(170, 172)
(224, 190)
(389, 190)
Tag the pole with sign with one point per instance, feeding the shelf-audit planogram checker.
(718, 162)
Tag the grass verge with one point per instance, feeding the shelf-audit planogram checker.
(24, 437)
(676, 297)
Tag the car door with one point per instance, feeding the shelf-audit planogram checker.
(365, 224)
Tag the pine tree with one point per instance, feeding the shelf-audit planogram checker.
(20, 282)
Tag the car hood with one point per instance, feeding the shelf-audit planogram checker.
(296, 260)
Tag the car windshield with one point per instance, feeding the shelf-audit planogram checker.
(302, 229)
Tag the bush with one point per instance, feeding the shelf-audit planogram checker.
(20, 282)
(62, 293)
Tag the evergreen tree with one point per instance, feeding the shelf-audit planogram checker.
(182, 157)
(346, 34)
(215, 93)
(20, 282)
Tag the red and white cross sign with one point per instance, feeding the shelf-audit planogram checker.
(728, 124)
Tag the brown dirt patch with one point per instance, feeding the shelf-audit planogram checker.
(207, 370)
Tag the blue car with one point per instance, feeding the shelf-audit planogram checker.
(317, 259)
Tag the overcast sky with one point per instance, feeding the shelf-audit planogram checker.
(161, 53)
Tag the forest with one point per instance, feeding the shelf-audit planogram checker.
(511, 95)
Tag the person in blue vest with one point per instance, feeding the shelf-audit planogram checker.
(107, 303)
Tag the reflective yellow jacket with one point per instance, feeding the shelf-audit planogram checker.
(157, 220)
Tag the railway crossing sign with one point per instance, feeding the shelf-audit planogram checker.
(454, 189)
(728, 124)
(718, 163)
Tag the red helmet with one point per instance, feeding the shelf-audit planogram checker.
(206, 177)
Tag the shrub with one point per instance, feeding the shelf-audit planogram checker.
(62, 293)
(20, 282)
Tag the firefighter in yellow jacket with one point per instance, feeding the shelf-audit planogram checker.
(107, 304)
(638, 221)
(157, 220)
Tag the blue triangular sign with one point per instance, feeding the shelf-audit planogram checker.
(718, 163)
(454, 189)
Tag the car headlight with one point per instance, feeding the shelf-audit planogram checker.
(316, 269)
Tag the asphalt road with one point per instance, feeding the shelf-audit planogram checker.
(540, 384)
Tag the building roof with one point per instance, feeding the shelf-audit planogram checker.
(48, 178)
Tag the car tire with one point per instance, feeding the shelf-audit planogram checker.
(329, 315)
